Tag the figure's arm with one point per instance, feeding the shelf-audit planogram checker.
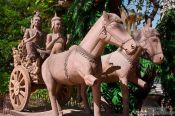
(50, 42)
(68, 38)
(67, 41)
(27, 37)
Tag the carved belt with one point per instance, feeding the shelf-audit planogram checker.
(130, 60)
(87, 55)
(65, 66)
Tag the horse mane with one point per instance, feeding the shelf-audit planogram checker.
(114, 17)
(148, 32)
(137, 35)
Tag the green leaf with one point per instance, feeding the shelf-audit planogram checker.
(115, 100)
(37, 2)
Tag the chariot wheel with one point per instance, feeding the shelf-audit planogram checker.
(64, 94)
(19, 88)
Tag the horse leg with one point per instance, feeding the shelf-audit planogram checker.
(78, 95)
(96, 98)
(138, 81)
(84, 99)
(89, 79)
(125, 94)
(95, 84)
(58, 87)
(51, 87)
(53, 100)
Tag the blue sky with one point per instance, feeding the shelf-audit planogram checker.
(133, 6)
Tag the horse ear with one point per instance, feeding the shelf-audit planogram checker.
(148, 22)
(105, 15)
(143, 43)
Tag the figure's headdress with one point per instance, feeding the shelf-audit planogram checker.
(37, 14)
(53, 20)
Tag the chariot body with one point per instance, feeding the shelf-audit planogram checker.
(26, 78)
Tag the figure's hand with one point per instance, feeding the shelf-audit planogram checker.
(36, 35)
(56, 37)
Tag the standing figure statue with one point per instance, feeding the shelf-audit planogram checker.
(32, 37)
(55, 42)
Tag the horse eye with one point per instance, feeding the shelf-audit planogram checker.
(155, 40)
(119, 21)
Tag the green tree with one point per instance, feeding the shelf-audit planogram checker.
(167, 33)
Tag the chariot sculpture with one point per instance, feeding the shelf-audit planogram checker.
(28, 57)
(81, 64)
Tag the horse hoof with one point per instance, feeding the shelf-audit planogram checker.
(88, 111)
(60, 113)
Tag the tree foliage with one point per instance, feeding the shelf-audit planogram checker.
(167, 34)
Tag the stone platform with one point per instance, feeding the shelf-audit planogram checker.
(66, 112)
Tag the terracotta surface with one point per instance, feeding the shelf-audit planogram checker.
(55, 42)
(147, 40)
(27, 63)
(33, 37)
(82, 64)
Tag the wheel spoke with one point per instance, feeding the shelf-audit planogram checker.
(16, 76)
(21, 98)
(11, 89)
(12, 82)
(18, 100)
(22, 79)
(22, 87)
(22, 93)
(20, 75)
(13, 95)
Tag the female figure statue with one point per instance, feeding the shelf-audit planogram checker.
(55, 42)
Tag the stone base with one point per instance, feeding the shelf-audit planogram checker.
(66, 112)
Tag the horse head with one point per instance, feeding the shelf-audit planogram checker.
(115, 33)
(150, 42)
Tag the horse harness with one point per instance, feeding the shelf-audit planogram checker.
(151, 55)
(88, 56)
(104, 31)
(82, 52)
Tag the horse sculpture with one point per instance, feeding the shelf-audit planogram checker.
(147, 39)
(82, 64)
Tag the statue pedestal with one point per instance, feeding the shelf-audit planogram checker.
(67, 112)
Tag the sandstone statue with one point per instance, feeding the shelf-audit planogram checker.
(82, 64)
(55, 42)
(33, 37)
